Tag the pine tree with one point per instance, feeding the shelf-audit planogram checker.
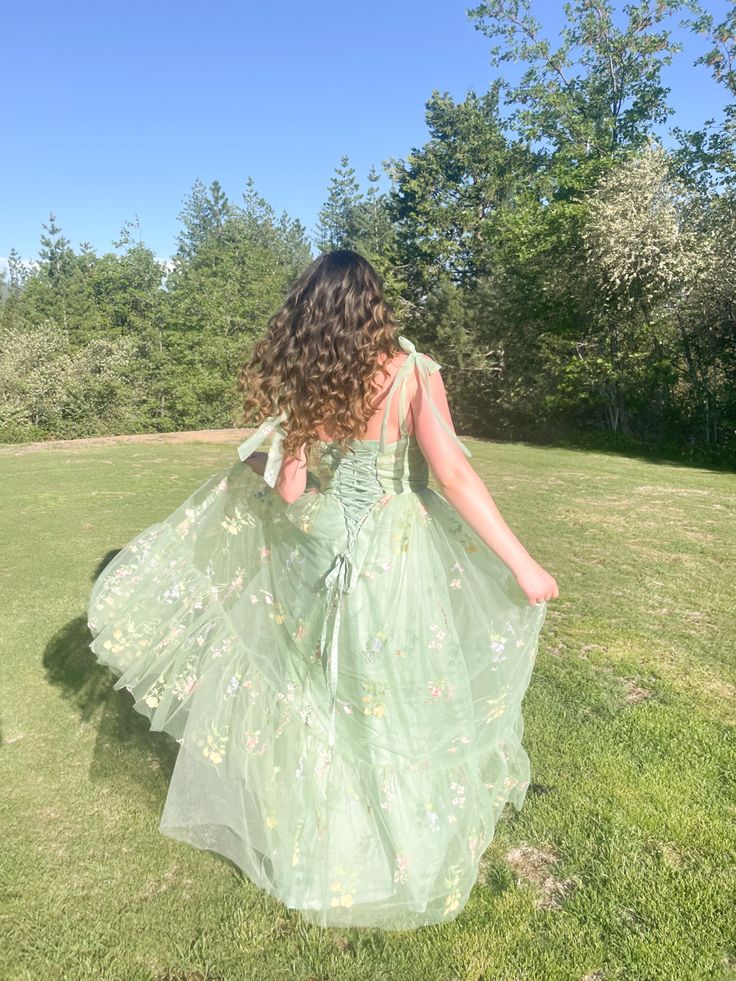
(339, 218)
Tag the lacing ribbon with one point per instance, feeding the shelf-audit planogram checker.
(425, 366)
(340, 578)
(270, 425)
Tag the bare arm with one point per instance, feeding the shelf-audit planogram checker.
(292, 478)
(467, 493)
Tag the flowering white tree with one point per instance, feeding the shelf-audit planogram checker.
(47, 386)
(637, 246)
(663, 260)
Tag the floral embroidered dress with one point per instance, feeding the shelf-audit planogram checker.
(344, 675)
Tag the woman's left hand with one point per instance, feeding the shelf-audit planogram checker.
(257, 461)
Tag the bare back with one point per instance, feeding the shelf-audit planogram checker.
(384, 383)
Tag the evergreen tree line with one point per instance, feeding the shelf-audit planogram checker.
(576, 279)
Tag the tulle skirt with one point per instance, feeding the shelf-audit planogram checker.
(216, 620)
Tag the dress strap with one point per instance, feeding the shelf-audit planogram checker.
(270, 425)
(424, 367)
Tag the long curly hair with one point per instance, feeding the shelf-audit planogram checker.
(320, 358)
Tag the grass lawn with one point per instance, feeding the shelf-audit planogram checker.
(621, 863)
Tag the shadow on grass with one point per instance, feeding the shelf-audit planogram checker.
(126, 748)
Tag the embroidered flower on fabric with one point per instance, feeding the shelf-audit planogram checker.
(344, 900)
(253, 742)
(289, 694)
(373, 699)
(294, 557)
(324, 759)
(497, 708)
(233, 687)
(278, 616)
(296, 848)
(374, 646)
(439, 691)
(459, 798)
(402, 868)
(388, 789)
(235, 524)
(214, 747)
(459, 739)
(498, 641)
(184, 687)
(152, 697)
(452, 883)
(172, 594)
(217, 650)
(427, 815)
(439, 636)
(382, 565)
(343, 887)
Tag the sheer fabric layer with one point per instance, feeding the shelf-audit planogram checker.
(344, 675)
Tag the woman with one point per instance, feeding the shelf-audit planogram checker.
(341, 652)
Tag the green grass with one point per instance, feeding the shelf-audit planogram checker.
(621, 863)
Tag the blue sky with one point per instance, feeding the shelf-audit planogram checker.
(113, 110)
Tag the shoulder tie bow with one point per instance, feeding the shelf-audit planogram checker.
(424, 366)
(270, 425)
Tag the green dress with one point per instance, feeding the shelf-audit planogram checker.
(343, 674)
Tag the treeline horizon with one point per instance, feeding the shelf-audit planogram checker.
(575, 278)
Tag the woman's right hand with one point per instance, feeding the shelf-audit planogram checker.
(536, 582)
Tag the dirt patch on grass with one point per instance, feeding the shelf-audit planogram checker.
(634, 692)
(680, 491)
(191, 436)
(156, 887)
(533, 866)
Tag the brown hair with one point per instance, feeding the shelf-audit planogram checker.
(320, 355)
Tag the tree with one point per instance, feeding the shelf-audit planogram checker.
(599, 91)
(17, 276)
(340, 218)
(376, 233)
(233, 270)
(203, 215)
(448, 194)
(50, 389)
(664, 260)
(707, 157)
(57, 266)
